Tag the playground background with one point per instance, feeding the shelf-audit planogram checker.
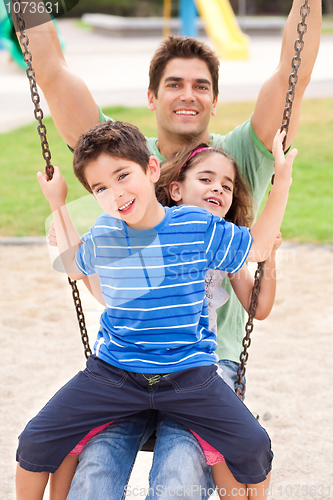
(289, 372)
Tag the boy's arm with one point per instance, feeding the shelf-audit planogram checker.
(242, 284)
(268, 224)
(68, 240)
(72, 106)
(92, 281)
(268, 113)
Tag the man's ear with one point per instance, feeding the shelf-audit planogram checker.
(175, 191)
(154, 169)
(151, 102)
(214, 106)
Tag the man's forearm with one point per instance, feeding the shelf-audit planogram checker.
(44, 43)
(311, 41)
(65, 92)
(268, 112)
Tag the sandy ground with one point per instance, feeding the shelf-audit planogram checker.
(289, 373)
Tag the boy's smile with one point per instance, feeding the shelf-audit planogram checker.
(125, 191)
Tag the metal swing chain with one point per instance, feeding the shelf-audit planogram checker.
(295, 64)
(24, 40)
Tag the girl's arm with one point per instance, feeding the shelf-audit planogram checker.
(242, 283)
(268, 224)
(68, 240)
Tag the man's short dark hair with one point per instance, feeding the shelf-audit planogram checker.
(113, 138)
(185, 48)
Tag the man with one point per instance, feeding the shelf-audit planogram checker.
(183, 98)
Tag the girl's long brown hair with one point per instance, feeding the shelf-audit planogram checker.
(241, 211)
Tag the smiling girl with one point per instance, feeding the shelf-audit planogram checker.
(209, 178)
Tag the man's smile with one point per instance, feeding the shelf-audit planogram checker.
(186, 112)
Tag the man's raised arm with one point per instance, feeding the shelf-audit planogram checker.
(72, 106)
(268, 113)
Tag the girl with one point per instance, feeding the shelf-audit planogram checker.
(209, 178)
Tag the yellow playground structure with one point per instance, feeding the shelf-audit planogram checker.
(220, 23)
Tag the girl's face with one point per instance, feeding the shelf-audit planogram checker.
(208, 185)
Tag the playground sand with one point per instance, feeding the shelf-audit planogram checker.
(289, 372)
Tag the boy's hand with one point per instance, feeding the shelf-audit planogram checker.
(52, 237)
(282, 166)
(54, 190)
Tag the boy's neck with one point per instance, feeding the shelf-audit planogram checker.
(153, 216)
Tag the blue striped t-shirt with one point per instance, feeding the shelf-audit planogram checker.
(153, 283)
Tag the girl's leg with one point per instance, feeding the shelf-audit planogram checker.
(228, 426)
(226, 484)
(30, 485)
(60, 481)
(259, 491)
(228, 487)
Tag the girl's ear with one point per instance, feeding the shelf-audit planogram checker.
(154, 169)
(175, 191)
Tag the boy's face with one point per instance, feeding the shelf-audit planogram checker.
(184, 102)
(124, 190)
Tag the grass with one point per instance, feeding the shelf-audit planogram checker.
(23, 209)
(327, 25)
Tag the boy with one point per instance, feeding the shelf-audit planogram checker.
(154, 348)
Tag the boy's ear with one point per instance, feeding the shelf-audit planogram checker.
(175, 191)
(154, 169)
(151, 103)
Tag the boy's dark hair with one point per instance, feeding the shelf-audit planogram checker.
(186, 48)
(117, 139)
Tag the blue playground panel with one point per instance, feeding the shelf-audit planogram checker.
(188, 14)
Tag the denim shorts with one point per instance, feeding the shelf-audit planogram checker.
(229, 374)
(196, 398)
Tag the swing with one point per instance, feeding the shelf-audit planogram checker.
(24, 40)
(295, 64)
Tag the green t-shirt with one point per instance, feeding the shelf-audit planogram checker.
(256, 164)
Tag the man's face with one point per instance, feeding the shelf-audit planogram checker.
(184, 102)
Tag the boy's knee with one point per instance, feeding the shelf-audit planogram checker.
(31, 450)
(258, 444)
(26, 440)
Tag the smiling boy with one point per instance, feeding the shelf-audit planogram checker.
(154, 348)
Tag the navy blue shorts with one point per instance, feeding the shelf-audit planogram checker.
(197, 398)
